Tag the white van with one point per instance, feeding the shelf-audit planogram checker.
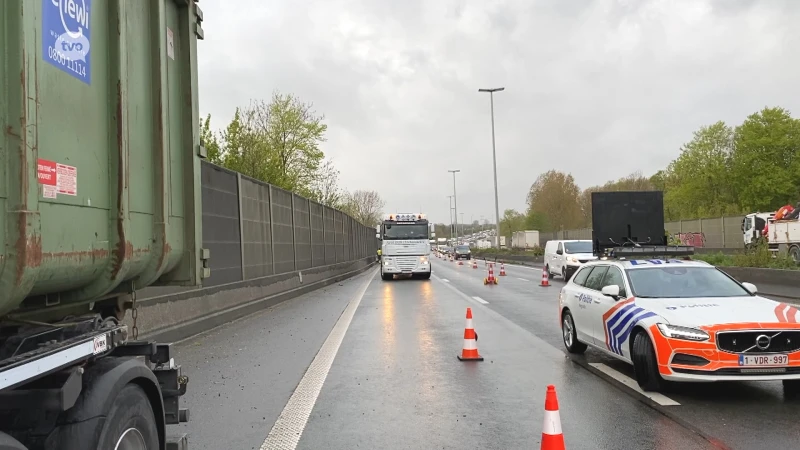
(565, 257)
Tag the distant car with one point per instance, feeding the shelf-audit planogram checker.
(680, 320)
(463, 252)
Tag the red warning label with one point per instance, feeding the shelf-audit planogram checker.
(46, 172)
(56, 178)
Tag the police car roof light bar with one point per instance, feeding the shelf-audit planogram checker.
(651, 250)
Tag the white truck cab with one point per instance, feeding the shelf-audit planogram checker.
(405, 245)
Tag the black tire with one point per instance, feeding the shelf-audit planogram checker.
(569, 336)
(794, 253)
(386, 276)
(130, 411)
(547, 269)
(564, 273)
(426, 276)
(645, 366)
(791, 389)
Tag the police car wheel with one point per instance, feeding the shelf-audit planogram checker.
(645, 365)
(569, 334)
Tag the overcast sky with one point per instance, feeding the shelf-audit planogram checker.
(599, 89)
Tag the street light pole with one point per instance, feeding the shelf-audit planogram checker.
(450, 214)
(494, 160)
(455, 200)
(463, 230)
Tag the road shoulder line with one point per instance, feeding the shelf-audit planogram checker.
(630, 383)
(287, 430)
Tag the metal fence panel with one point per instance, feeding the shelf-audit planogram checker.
(221, 224)
(338, 219)
(283, 232)
(330, 235)
(732, 232)
(256, 229)
(317, 234)
(302, 232)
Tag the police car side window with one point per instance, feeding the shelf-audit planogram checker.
(581, 276)
(614, 276)
(595, 280)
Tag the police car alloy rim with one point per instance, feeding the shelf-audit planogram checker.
(567, 330)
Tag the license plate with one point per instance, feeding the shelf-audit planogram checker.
(763, 360)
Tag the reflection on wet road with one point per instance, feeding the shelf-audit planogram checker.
(395, 381)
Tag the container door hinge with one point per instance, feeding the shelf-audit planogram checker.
(205, 256)
(198, 28)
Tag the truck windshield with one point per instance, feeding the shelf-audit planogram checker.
(405, 231)
(578, 247)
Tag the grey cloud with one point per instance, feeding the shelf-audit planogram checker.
(596, 88)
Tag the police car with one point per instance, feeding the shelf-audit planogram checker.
(680, 320)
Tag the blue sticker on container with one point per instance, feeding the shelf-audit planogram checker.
(66, 36)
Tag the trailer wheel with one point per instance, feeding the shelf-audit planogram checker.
(131, 423)
(794, 253)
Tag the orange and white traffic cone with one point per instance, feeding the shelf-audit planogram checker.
(502, 270)
(470, 350)
(545, 278)
(460, 262)
(552, 437)
(491, 279)
(474, 263)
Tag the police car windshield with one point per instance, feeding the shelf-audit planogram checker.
(683, 282)
(405, 231)
(578, 247)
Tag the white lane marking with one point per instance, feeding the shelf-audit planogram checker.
(629, 382)
(480, 300)
(445, 280)
(288, 429)
(523, 279)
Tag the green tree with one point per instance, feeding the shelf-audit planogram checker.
(765, 164)
(554, 195)
(209, 140)
(512, 221)
(294, 133)
(364, 206)
(698, 182)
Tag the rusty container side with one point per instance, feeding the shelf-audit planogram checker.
(100, 151)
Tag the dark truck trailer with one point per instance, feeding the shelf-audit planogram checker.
(99, 196)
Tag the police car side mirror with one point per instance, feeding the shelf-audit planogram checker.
(611, 290)
(750, 287)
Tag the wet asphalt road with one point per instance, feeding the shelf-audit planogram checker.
(396, 383)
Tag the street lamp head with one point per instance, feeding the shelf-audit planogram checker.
(454, 171)
(492, 89)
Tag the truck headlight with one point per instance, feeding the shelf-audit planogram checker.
(685, 333)
(423, 259)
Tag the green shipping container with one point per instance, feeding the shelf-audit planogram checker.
(100, 152)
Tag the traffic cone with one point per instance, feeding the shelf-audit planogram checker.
(545, 278)
(474, 263)
(460, 262)
(470, 350)
(502, 270)
(552, 437)
(491, 279)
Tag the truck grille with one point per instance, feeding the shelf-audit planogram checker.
(406, 263)
(745, 341)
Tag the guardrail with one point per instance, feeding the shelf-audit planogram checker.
(782, 284)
